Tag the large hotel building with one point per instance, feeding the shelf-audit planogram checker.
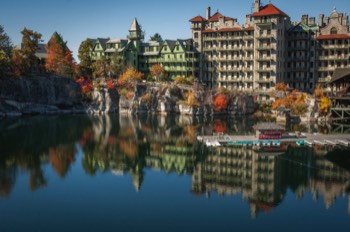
(251, 57)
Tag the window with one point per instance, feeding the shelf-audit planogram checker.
(334, 31)
(196, 35)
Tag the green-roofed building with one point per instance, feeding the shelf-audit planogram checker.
(177, 57)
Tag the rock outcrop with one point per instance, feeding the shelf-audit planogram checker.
(171, 99)
(39, 95)
(103, 101)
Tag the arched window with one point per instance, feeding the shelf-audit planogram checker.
(334, 31)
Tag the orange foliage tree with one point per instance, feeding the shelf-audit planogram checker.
(158, 72)
(281, 87)
(59, 58)
(219, 126)
(191, 99)
(220, 102)
(130, 76)
(319, 93)
(296, 101)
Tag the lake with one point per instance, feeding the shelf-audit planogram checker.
(149, 173)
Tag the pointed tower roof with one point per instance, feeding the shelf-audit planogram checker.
(135, 26)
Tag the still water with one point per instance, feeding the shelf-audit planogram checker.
(120, 173)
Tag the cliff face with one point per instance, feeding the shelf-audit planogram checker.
(170, 99)
(39, 95)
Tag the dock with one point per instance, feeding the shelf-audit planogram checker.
(247, 140)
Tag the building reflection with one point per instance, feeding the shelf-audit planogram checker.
(263, 180)
(127, 145)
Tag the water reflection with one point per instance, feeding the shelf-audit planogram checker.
(130, 145)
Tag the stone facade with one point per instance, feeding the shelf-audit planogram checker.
(268, 48)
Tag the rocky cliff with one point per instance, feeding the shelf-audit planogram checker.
(173, 99)
(39, 95)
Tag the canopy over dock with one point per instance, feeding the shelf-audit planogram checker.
(268, 130)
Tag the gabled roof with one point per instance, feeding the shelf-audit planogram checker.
(340, 73)
(269, 9)
(135, 26)
(103, 42)
(170, 43)
(334, 36)
(198, 19)
(215, 17)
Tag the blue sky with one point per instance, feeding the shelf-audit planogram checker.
(77, 20)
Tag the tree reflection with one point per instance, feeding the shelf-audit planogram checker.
(127, 145)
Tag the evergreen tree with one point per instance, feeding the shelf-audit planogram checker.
(30, 41)
(156, 37)
(84, 55)
(5, 52)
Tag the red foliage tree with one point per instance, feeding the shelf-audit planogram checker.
(220, 102)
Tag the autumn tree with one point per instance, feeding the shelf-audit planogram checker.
(130, 76)
(325, 105)
(156, 37)
(84, 55)
(220, 102)
(59, 58)
(158, 72)
(281, 87)
(101, 67)
(191, 99)
(319, 93)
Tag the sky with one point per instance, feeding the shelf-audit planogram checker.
(77, 20)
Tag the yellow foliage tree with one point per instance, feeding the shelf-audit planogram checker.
(325, 105)
(129, 76)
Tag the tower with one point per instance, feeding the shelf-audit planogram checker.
(135, 34)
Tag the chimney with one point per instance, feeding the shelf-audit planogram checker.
(312, 21)
(256, 6)
(326, 19)
(208, 12)
(345, 20)
(305, 19)
(247, 20)
(320, 20)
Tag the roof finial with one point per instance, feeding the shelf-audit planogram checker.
(334, 9)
